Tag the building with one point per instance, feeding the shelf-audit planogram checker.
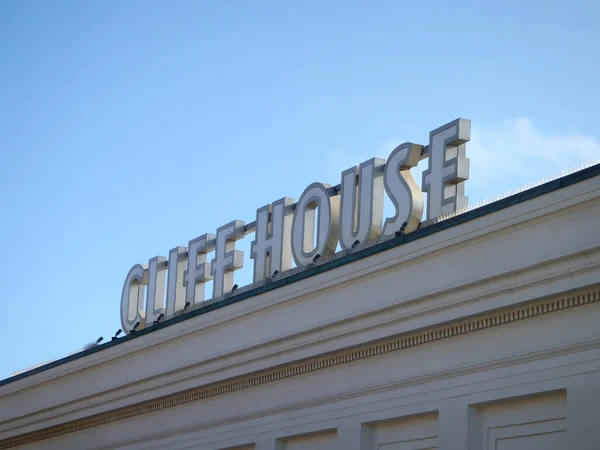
(477, 332)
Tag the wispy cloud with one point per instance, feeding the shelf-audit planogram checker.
(514, 152)
(503, 156)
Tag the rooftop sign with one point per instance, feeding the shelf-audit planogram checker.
(307, 230)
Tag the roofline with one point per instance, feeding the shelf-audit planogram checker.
(512, 200)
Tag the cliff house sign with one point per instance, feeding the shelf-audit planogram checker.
(307, 230)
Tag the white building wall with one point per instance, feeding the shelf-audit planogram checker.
(519, 396)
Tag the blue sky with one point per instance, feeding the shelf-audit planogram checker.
(128, 128)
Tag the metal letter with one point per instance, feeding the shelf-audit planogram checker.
(155, 297)
(272, 246)
(448, 168)
(315, 196)
(132, 298)
(362, 223)
(198, 269)
(227, 258)
(402, 189)
(175, 284)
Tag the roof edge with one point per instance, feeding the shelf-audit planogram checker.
(490, 208)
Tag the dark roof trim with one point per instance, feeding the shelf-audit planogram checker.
(537, 191)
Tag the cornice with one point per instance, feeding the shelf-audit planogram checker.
(314, 364)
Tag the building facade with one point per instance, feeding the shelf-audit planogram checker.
(478, 332)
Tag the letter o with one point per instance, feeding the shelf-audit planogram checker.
(315, 196)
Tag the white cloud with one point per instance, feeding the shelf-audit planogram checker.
(511, 153)
(503, 156)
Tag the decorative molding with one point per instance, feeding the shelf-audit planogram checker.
(314, 364)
